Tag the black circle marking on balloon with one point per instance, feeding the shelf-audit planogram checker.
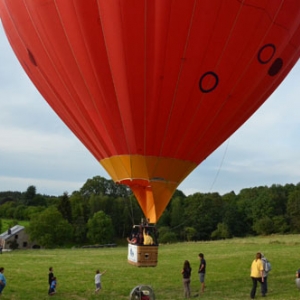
(31, 57)
(259, 54)
(275, 67)
(208, 90)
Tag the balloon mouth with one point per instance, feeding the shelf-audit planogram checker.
(146, 170)
(153, 180)
(142, 182)
(152, 195)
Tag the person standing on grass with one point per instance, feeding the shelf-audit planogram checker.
(52, 289)
(257, 274)
(267, 269)
(202, 271)
(298, 278)
(50, 276)
(98, 280)
(2, 280)
(186, 274)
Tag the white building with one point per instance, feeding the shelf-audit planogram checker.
(16, 234)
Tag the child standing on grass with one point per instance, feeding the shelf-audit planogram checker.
(52, 289)
(298, 278)
(2, 280)
(50, 276)
(98, 280)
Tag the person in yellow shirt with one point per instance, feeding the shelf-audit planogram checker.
(257, 269)
(147, 238)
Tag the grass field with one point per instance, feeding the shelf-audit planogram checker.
(228, 270)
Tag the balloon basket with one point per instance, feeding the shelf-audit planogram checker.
(142, 256)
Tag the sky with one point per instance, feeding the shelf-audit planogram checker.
(36, 148)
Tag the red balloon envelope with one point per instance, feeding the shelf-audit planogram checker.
(153, 87)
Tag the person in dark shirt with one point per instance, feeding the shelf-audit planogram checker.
(50, 276)
(186, 274)
(201, 271)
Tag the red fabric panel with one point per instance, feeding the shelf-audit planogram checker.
(155, 78)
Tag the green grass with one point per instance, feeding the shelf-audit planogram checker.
(228, 270)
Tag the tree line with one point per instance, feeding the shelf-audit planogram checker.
(103, 212)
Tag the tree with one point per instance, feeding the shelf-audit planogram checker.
(203, 212)
(19, 213)
(233, 216)
(94, 186)
(79, 207)
(38, 200)
(190, 233)
(264, 226)
(293, 210)
(79, 230)
(121, 217)
(177, 218)
(221, 232)
(101, 186)
(29, 195)
(165, 219)
(7, 209)
(65, 208)
(32, 210)
(100, 228)
(49, 228)
(166, 235)
(279, 199)
(280, 224)
(10, 196)
(96, 204)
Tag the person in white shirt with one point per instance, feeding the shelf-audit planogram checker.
(298, 278)
(98, 280)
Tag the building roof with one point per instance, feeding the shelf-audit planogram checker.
(14, 230)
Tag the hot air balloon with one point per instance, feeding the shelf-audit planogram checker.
(153, 87)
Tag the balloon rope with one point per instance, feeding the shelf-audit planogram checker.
(221, 164)
(178, 225)
(132, 216)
